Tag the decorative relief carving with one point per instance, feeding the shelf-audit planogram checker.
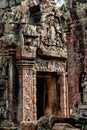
(52, 39)
(44, 65)
(27, 91)
(30, 46)
(30, 30)
(30, 41)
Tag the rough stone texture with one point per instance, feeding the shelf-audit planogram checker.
(63, 126)
(56, 66)
(28, 95)
(48, 123)
(75, 30)
(28, 125)
(3, 4)
(31, 41)
(8, 3)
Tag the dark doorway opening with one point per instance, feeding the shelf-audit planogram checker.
(40, 97)
(47, 93)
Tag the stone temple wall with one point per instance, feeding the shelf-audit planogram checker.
(76, 48)
(31, 40)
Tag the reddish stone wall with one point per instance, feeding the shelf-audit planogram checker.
(76, 48)
(85, 49)
(75, 69)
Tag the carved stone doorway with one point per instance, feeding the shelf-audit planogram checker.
(46, 94)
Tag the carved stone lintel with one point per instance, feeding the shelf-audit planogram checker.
(56, 66)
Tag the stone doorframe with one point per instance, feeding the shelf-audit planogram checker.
(27, 77)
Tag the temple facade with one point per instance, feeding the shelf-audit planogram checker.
(33, 80)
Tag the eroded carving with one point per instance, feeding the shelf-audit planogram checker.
(52, 39)
(56, 66)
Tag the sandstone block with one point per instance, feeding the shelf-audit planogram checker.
(28, 125)
(63, 126)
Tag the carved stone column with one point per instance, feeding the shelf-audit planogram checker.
(20, 102)
(11, 79)
(34, 95)
(27, 95)
(63, 95)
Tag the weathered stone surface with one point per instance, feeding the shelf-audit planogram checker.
(11, 3)
(43, 123)
(76, 50)
(63, 126)
(18, 1)
(29, 48)
(1, 29)
(3, 3)
(50, 121)
(44, 65)
(28, 125)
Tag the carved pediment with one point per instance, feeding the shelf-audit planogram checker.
(52, 37)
